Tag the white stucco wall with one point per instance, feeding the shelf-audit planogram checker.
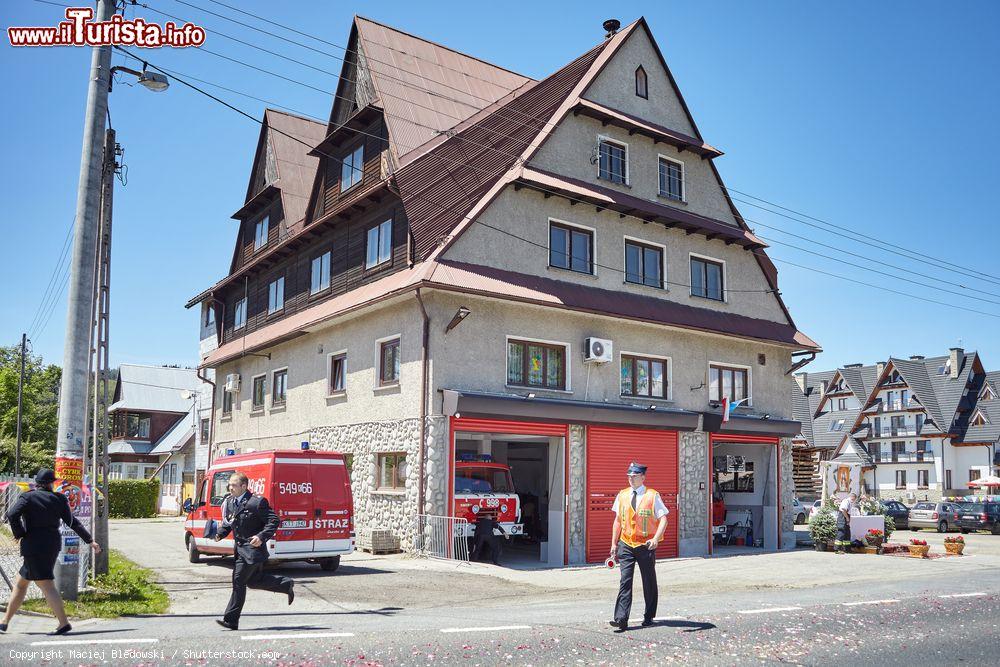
(479, 343)
(526, 214)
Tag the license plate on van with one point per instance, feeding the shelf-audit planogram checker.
(968, 517)
(293, 523)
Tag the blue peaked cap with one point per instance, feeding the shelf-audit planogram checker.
(636, 469)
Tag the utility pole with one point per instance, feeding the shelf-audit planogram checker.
(100, 461)
(20, 401)
(73, 393)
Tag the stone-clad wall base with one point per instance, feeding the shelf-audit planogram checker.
(692, 501)
(902, 496)
(577, 494)
(787, 494)
(383, 509)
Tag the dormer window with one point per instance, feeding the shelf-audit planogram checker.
(640, 83)
(352, 168)
(979, 419)
(988, 393)
(260, 233)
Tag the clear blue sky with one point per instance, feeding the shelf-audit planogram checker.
(881, 117)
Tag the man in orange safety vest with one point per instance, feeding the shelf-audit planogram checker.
(640, 520)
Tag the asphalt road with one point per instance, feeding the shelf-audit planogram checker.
(395, 611)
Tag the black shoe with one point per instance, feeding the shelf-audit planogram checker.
(620, 625)
(646, 622)
(227, 625)
(3, 627)
(291, 591)
(62, 630)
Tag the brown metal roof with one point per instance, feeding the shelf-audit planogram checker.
(644, 127)
(651, 211)
(296, 168)
(425, 87)
(488, 281)
(439, 188)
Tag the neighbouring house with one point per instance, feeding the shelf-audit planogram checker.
(153, 428)
(925, 428)
(467, 261)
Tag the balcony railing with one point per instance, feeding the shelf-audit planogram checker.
(896, 405)
(903, 457)
(894, 431)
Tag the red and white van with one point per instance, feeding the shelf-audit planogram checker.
(484, 486)
(310, 491)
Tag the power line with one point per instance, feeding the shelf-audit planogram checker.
(59, 266)
(421, 197)
(885, 289)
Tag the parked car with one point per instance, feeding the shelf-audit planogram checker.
(815, 508)
(939, 516)
(980, 516)
(799, 511)
(900, 513)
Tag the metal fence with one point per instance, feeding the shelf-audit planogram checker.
(10, 553)
(442, 537)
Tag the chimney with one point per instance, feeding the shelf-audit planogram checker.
(879, 367)
(802, 379)
(825, 383)
(916, 357)
(611, 26)
(953, 354)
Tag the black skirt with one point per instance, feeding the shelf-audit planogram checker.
(39, 567)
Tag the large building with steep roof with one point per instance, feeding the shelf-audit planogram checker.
(547, 272)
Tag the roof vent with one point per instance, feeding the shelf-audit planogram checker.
(611, 26)
(916, 357)
(853, 365)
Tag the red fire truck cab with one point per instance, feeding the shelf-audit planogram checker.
(484, 486)
(310, 491)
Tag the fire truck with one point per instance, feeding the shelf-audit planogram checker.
(482, 485)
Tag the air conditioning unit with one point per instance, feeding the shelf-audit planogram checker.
(597, 350)
(233, 383)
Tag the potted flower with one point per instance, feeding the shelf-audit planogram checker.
(919, 548)
(823, 528)
(874, 539)
(954, 545)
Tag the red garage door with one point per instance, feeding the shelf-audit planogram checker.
(609, 451)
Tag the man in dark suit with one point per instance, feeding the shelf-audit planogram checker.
(252, 522)
(485, 538)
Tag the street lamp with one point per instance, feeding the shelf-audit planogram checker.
(153, 81)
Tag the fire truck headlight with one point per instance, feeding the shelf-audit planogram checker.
(475, 509)
(503, 509)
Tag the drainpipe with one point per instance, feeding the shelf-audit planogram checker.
(424, 349)
(211, 430)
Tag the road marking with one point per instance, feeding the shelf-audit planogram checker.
(488, 629)
(855, 604)
(298, 635)
(963, 595)
(768, 610)
(66, 642)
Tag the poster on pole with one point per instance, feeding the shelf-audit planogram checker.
(69, 482)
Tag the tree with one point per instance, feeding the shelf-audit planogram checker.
(40, 408)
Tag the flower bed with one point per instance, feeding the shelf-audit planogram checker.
(954, 545)
(919, 548)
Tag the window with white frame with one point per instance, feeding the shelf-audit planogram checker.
(731, 382)
(338, 373)
(613, 161)
(260, 233)
(388, 354)
(643, 263)
(645, 377)
(571, 247)
(276, 295)
(240, 314)
(259, 392)
(379, 244)
(536, 364)
(320, 279)
(707, 277)
(671, 178)
(352, 169)
(279, 387)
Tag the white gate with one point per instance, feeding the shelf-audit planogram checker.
(441, 537)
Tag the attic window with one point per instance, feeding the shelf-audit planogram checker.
(640, 83)
(352, 168)
(988, 393)
(836, 425)
(945, 368)
(979, 419)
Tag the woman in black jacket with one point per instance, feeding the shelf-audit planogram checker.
(34, 520)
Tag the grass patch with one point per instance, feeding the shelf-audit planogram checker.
(125, 590)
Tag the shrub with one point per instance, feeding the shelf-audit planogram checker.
(133, 498)
(823, 525)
